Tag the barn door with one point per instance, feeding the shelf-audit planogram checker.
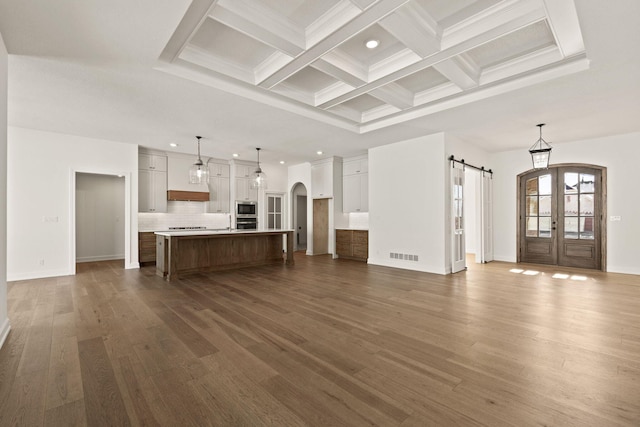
(458, 260)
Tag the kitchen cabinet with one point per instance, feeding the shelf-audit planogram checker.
(219, 190)
(242, 181)
(352, 244)
(152, 191)
(146, 247)
(322, 180)
(152, 162)
(244, 191)
(355, 186)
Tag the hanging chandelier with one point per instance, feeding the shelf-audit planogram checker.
(258, 177)
(540, 152)
(198, 172)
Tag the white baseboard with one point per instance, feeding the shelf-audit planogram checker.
(408, 265)
(132, 265)
(99, 258)
(4, 331)
(28, 275)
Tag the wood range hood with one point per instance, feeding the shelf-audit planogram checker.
(187, 196)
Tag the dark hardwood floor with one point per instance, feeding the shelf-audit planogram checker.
(325, 342)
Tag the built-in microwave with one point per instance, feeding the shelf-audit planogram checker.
(246, 209)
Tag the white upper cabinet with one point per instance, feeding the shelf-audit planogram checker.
(322, 180)
(355, 185)
(219, 190)
(242, 177)
(152, 191)
(152, 162)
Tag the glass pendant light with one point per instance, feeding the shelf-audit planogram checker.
(258, 178)
(198, 172)
(540, 152)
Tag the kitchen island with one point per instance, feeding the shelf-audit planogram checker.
(184, 252)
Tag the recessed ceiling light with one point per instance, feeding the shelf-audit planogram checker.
(282, 162)
(372, 44)
(319, 153)
(235, 154)
(173, 144)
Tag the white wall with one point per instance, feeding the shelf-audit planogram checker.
(40, 211)
(617, 154)
(4, 318)
(407, 204)
(100, 211)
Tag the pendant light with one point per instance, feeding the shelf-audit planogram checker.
(258, 178)
(540, 152)
(198, 172)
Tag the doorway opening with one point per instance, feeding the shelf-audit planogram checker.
(100, 224)
(299, 216)
(561, 216)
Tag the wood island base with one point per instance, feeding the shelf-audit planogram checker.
(180, 254)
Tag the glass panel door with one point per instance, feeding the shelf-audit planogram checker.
(274, 211)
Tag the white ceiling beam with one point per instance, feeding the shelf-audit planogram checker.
(330, 92)
(343, 12)
(395, 95)
(363, 4)
(415, 28)
(498, 30)
(273, 63)
(337, 72)
(480, 23)
(379, 112)
(563, 20)
(353, 27)
(348, 113)
(261, 23)
(461, 70)
(191, 21)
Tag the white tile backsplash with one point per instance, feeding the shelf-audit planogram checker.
(182, 214)
(359, 220)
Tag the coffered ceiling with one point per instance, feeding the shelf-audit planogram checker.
(293, 76)
(309, 56)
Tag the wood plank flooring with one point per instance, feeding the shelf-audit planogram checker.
(325, 342)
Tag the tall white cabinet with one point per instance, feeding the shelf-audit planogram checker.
(355, 185)
(219, 187)
(242, 178)
(152, 183)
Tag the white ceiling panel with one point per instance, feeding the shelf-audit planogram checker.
(310, 80)
(226, 43)
(422, 80)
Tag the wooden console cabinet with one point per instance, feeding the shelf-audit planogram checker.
(352, 244)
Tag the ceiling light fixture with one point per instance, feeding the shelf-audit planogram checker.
(372, 44)
(540, 152)
(235, 154)
(258, 178)
(198, 172)
(282, 162)
(173, 144)
(319, 153)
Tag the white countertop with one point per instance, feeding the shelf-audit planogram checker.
(214, 232)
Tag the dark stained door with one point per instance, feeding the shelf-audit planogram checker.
(538, 207)
(561, 217)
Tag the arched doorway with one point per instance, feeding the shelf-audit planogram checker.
(299, 216)
(561, 214)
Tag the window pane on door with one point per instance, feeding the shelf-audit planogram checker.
(532, 186)
(545, 226)
(545, 206)
(571, 228)
(570, 183)
(586, 205)
(586, 228)
(545, 185)
(571, 205)
(278, 221)
(532, 227)
(532, 206)
(587, 183)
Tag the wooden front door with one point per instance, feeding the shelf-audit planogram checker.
(561, 216)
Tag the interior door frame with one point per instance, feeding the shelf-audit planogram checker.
(603, 203)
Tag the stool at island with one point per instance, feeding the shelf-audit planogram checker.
(183, 252)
